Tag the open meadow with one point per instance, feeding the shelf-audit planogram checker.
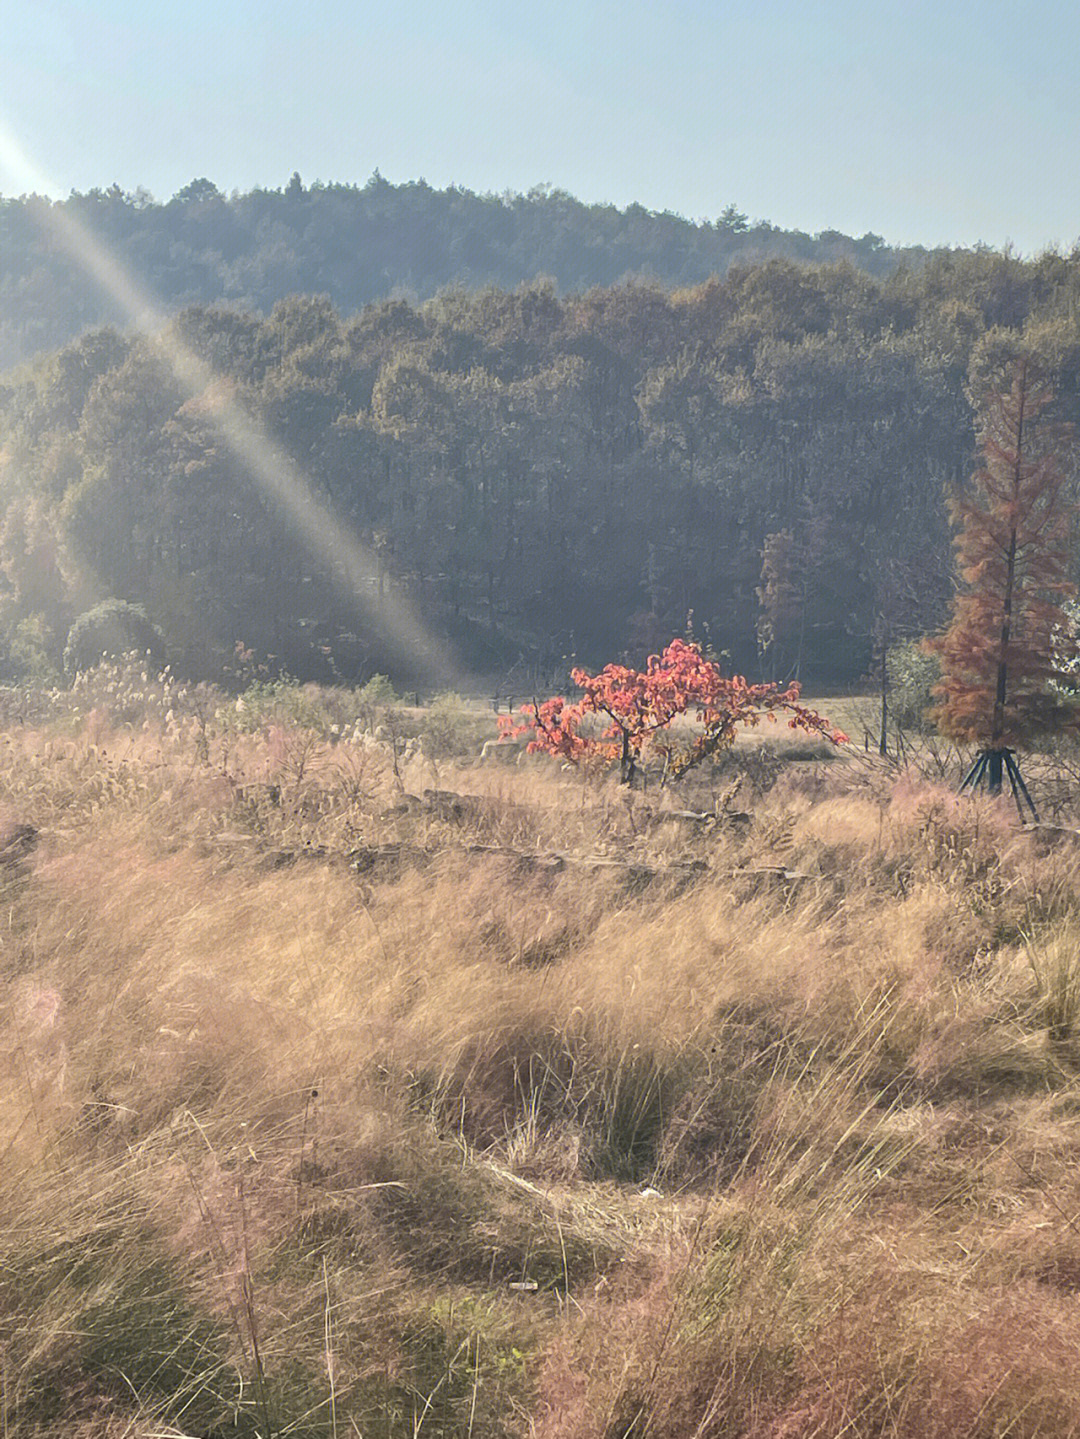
(351, 1086)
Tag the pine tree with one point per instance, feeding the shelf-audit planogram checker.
(1003, 680)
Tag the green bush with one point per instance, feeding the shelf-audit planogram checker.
(30, 653)
(912, 675)
(281, 701)
(373, 701)
(112, 630)
(446, 730)
(377, 691)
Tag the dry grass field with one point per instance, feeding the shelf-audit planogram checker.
(350, 1094)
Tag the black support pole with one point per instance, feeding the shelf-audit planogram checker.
(975, 773)
(990, 767)
(1018, 783)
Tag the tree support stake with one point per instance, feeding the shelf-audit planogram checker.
(990, 768)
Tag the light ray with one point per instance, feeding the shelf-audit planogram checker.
(349, 562)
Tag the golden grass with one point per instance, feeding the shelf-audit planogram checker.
(539, 1111)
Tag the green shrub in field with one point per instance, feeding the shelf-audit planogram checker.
(30, 653)
(281, 701)
(447, 727)
(112, 630)
(373, 702)
(912, 675)
(378, 691)
(443, 726)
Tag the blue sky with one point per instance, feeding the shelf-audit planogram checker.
(927, 123)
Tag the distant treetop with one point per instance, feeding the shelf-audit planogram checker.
(196, 191)
(364, 243)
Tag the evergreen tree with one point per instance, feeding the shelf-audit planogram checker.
(1002, 670)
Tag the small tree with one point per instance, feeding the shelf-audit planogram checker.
(907, 590)
(911, 674)
(630, 709)
(1004, 679)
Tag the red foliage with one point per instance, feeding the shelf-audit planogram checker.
(637, 707)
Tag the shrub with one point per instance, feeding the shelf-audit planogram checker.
(111, 630)
(377, 691)
(373, 702)
(447, 729)
(30, 655)
(282, 701)
(912, 673)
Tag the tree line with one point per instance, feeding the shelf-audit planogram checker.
(557, 477)
(362, 243)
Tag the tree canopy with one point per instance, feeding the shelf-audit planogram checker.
(1003, 672)
(623, 713)
(364, 243)
(560, 477)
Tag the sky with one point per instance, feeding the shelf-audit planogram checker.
(927, 123)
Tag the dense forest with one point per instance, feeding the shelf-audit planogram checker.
(360, 244)
(536, 474)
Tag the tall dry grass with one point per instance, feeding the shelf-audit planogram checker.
(526, 1107)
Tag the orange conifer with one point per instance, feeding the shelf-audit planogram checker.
(999, 658)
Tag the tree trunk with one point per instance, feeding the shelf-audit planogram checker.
(627, 763)
(998, 728)
(995, 770)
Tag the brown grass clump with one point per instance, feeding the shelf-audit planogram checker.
(349, 1092)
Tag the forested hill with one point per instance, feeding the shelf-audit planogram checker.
(359, 244)
(533, 472)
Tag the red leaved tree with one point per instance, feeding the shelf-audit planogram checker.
(1003, 676)
(622, 711)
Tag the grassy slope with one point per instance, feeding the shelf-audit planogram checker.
(299, 1080)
